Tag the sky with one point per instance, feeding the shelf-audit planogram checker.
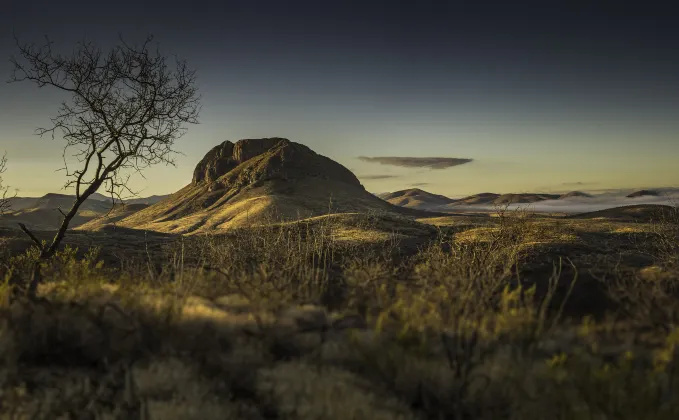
(454, 97)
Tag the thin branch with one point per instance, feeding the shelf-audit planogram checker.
(31, 235)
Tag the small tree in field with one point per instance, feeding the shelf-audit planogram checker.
(127, 108)
(5, 198)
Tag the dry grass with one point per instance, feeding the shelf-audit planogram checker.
(334, 317)
(205, 208)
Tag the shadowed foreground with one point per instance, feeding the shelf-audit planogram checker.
(350, 317)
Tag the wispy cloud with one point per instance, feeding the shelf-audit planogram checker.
(578, 184)
(373, 177)
(417, 162)
(419, 184)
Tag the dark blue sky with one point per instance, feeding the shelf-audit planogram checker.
(547, 93)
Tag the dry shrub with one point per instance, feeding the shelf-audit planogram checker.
(665, 241)
(171, 389)
(242, 325)
(302, 391)
(648, 297)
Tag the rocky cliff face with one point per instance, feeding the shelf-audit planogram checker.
(217, 160)
(249, 161)
(226, 156)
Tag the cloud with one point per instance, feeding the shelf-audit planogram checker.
(373, 177)
(417, 162)
(578, 184)
(419, 184)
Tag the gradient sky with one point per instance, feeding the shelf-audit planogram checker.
(543, 96)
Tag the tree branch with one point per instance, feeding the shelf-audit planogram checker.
(127, 108)
(30, 235)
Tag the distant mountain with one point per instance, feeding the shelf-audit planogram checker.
(499, 199)
(574, 194)
(492, 199)
(100, 197)
(524, 198)
(20, 203)
(482, 198)
(633, 213)
(53, 201)
(644, 193)
(153, 199)
(416, 198)
(44, 219)
(65, 201)
(42, 213)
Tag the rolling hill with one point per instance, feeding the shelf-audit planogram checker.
(482, 198)
(120, 212)
(492, 199)
(575, 194)
(524, 198)
(633, 213)
(42, 213)
(45, 219)
(643, 193)
(417, 199)
(52, 201)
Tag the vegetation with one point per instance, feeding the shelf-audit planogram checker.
(5, 198)
(127, 108)
(295, 320)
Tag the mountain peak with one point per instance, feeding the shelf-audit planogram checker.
(226, 156)
(251, 160)
(255, 180)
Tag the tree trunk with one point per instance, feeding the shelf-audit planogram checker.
(48, 252)
(52, 249)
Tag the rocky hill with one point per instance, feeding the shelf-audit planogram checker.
(255, 181)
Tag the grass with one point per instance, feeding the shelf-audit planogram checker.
(471, 319)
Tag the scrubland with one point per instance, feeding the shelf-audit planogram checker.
(357, 316)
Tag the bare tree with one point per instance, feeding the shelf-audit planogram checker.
(5, 198)
(127, 108)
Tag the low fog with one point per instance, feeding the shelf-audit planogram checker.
(584, 204)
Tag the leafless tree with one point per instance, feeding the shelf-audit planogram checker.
(5, 198)
(127, 108)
